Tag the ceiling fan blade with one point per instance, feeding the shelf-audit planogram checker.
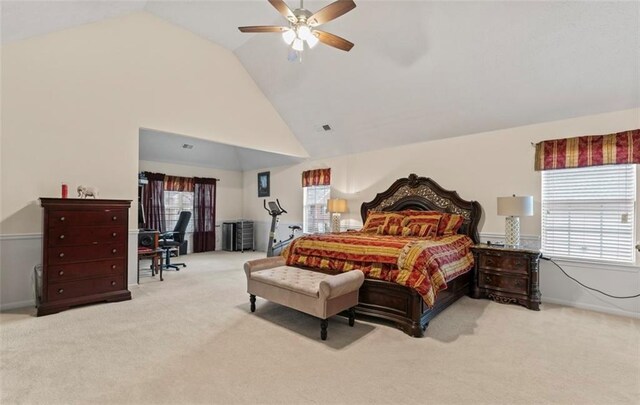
(283, 9)
(263, 28)
(331, 12)
(333, 40)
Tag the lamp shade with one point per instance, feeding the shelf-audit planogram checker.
(336, 205)
(516, 206)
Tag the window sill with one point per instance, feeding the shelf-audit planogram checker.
(598, 265)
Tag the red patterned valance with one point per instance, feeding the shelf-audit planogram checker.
(584, 151)
(177, 183)
(318, 177)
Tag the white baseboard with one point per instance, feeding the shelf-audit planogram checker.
(17, 304)
(591, 307)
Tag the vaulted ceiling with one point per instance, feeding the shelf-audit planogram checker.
(419, 70)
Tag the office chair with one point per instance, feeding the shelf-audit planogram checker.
(174, 239)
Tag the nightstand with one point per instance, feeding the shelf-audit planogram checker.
(508, 276)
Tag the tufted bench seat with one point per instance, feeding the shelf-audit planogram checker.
(318, 294)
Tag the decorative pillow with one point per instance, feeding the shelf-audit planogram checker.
(395, 230)
(376, 218)
(449, 224)
(424, 230)
(423, 224)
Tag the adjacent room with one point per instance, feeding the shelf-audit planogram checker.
(334, 202)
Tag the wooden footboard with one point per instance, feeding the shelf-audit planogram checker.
(404, 307)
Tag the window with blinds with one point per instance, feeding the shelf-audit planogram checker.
(588, 213)
(316, 218)
(174, 203)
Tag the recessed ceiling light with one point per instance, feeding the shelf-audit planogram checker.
(187, 146)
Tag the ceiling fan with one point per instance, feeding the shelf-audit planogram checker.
(303, 23)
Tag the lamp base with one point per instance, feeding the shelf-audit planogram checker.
(335, 222)
(512, 232)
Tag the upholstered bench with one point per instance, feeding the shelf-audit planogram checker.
(314, 293)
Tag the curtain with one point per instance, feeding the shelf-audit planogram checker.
(153, 201)
(318, 177)
(204, 214)
(177, 183)
(584, 151)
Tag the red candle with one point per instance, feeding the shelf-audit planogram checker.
(65, 190)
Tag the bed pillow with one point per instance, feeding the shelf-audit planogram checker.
(449, 224)
(423, 225)
(376, 219)
(395, 230)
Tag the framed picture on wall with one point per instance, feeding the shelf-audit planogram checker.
(263, 184)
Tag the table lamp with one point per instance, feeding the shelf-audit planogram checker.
(336, 206)
(513, 208)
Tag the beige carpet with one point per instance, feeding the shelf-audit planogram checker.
(192, 339)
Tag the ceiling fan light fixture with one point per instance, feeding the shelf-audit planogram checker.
(288, 36)
(304, 32)
(298, 44)
(312, 41)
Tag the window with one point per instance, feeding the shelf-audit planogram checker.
(316, 218)
(174, 203)
(588, 213)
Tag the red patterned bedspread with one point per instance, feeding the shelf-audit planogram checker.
(425, 265)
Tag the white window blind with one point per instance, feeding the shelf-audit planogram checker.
(174, 203)
(588, 213)
(316, 218)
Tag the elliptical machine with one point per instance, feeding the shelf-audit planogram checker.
(275, 210)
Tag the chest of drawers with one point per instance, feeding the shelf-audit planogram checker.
(84, 253)
(507, 275)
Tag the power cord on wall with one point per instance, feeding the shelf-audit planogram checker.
(586, 286)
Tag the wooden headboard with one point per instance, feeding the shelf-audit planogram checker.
(424, 194)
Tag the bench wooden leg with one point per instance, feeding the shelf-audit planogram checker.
(323, 328)
(252, 299)
(352, 316)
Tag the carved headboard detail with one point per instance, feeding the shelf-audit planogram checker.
(422, 193)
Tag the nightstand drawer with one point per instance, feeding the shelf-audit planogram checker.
(503, 282)
(512, 263)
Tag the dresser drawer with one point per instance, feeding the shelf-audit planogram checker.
(91, 218)
(516, 264)
(69, 272)
(70, 254)
(73, 289)
(69, 236)
(503, 282)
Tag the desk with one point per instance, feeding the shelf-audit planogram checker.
(155, 255)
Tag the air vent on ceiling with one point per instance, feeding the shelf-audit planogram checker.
(326, 127)
(187, 146)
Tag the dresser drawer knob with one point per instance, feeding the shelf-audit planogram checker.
(114, 234)
(114, 218)
(113, 266)
(114, 251)
(60, 272)
(488, 279)
(61, 218)
(61, 236)
(113, 283)
(61, 254)
(60, 291)
(491, 261)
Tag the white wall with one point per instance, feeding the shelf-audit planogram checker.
(72, 105)
(480, 167)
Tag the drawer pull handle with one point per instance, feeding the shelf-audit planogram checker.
(60, 291)
(61, 255)
(491, 262)
(113, 266)
(114, 251)
(488, 279)
(114, 218)
(60, 272)
(61, 218)
(113, 283)
(518, 283)
(114, 234)
(61, 236)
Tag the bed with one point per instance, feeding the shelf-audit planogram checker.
(407, 301)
